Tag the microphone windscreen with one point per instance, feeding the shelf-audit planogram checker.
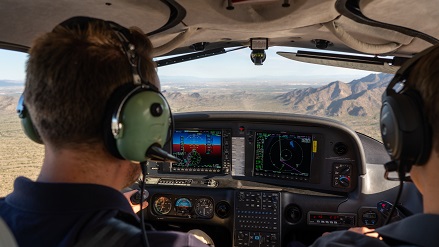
(156, 153)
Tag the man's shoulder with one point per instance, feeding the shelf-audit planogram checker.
(173, 239)
(117, 232)
(347, 238)
(401, 233)
(113, 232)
(418, 229)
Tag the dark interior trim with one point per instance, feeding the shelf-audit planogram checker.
(178, 13)
(13, 47)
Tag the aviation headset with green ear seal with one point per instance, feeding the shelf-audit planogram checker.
(137, 118)
(405, 130)
(26, 122)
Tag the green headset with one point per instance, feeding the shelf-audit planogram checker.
(138, 119)
(26, 122)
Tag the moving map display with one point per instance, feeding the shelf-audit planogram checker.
(198, 150)
(282, 155)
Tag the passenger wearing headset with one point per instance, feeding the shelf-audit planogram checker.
(410, 130)
(92, 97)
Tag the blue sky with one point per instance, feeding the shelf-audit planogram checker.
(237, 65)
(233, 65)
(12, 65)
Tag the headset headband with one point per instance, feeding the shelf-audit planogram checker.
(124, 36)
(401, 74)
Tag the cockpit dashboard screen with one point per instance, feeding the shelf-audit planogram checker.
(283, 155)
(198, 150)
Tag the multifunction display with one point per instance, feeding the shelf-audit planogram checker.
(198, 150)
(283, 155)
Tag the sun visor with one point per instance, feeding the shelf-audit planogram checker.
(346, 61)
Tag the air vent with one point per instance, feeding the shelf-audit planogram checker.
(293, 213)
(222, 209)
(340, 148)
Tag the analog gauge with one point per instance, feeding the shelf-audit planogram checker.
(162, 205)
(183, 205)
(204, 207)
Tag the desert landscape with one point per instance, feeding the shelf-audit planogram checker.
(356, 104)
(19, 155)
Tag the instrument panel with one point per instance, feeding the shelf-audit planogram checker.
(183, 206)
(289, 151)
(255, 178)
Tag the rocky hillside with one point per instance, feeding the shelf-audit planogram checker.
(360, 97)
(8, 103)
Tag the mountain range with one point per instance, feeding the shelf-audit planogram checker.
(360, 97)
(11, 83)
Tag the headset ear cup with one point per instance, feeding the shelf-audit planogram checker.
(390, 132)
(144, 117)
(30, 130)
(26, 122)
(113, 104)
(404, 128)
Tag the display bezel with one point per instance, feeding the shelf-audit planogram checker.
(217, 147)
(308, 155)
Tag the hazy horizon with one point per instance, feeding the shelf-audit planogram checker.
(232, 66)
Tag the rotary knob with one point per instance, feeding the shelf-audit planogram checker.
(344, 181)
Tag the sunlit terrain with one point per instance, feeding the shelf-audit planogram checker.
(356, 108)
